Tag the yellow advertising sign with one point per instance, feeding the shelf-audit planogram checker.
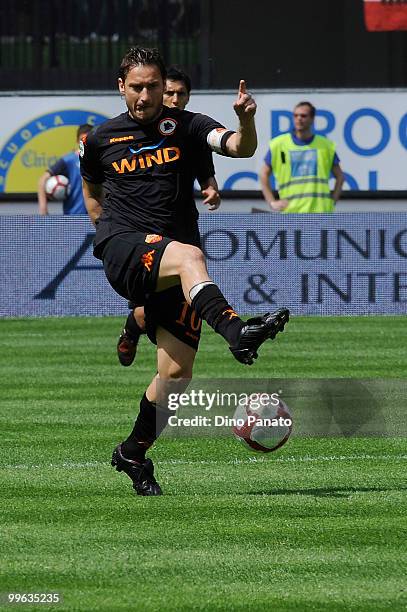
(37, 145)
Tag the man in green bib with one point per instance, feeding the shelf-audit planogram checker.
(302, 163)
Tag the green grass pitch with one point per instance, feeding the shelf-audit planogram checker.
(320, 525)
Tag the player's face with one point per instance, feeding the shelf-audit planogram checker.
(143, 91)
(303, 119)
(175, 94)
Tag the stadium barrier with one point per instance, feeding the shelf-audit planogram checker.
(337, 264)
(246, 194)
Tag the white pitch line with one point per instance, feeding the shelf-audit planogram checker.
(95, 464)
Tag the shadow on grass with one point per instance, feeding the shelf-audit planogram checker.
(328, 492)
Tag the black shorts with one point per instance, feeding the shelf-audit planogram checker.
(170, 310)
(132, 261)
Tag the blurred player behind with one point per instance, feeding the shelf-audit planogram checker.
(68, 166)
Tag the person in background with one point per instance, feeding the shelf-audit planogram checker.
(302, 163)
(68, 166)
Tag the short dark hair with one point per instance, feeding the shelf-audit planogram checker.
(310, 106)
(140, 56)
(176, 74)
(85, 128)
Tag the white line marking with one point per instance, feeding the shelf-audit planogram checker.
(67, 465)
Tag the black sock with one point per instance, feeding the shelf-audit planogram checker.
(132, 328)
(210, 304)
(149, 424)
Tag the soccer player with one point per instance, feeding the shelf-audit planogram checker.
(177, 92)
(137, 172)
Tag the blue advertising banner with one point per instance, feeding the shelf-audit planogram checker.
(340, 264)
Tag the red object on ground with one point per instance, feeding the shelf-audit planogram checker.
(385, 15)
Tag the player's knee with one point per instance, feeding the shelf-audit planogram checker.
(180, 258)
(177, 371)
(192, 257)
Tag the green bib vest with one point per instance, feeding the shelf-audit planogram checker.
(302, 173)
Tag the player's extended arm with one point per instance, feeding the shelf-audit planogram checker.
(93, 196)
(243, 143)
(340, 179)
(42, 196)
(210, 192)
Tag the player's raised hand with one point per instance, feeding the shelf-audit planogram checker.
(243, 142)
(245, 106)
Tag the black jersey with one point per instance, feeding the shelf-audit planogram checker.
(148, 172)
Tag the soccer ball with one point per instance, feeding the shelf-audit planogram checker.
(57, 187)
(263, 423)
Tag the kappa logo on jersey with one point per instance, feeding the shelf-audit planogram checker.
(151, 238)
(121, 139)
(167, 126)
(147, 259)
